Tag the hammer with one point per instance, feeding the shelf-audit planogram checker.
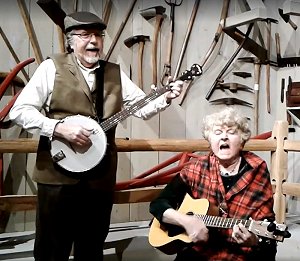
(140, 39)
(287, 19)
(158, 13)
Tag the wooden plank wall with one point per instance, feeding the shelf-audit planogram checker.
(177, 122)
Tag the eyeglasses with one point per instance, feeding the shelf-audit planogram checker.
(88, 36)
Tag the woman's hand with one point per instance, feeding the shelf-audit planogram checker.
(242, 236)
(196, 229)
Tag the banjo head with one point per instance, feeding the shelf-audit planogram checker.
(77, 158)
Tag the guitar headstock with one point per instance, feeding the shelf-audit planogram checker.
(270, 230)
(187, 75)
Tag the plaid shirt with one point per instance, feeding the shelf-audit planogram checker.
(251, 196)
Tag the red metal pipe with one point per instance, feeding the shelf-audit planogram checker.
(8, 79)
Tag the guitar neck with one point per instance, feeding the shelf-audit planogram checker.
(124, 114)
(220, 222)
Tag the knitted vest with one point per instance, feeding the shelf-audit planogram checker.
(71, 95)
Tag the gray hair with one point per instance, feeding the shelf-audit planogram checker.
(69, 41)
(227, 117)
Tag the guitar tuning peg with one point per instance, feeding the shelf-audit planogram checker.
(271, 227)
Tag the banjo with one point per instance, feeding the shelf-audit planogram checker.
(80, 159)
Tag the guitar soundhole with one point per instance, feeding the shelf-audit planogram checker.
(175, 230)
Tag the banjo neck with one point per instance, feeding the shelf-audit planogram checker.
(112, 121)
(125, 113)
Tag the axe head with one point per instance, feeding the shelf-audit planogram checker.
(136, 39)
(151, 12)
(285, 17)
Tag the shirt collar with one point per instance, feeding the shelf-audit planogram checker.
(97, 65)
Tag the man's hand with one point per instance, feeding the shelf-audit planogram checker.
(176, 88)
(75, 134)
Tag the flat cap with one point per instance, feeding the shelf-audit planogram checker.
(83, 20)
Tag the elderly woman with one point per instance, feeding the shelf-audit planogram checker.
(236, 181)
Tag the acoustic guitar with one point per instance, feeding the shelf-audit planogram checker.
(170, 241)
(81, 159)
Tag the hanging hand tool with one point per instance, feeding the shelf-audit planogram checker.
(158, 13)
(167, 65)
(242, 74)
(186, 38)
(140, 39)
(268, 65)
(120, 30)
(218, 79)
(282, 90)
(30, 30)
(231, 101)
(257, 69)
(277, 43)
(107, 11)
(278, 49)
(234, 87)
(287, 19)
(211, 49)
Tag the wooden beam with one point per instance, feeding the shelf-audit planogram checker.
(136, 196)
(14, 203)
(24, 145)
(291, 189)
(279, 161)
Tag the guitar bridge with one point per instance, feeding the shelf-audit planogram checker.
(58, 156)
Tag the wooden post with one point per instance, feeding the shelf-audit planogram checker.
(279, 160)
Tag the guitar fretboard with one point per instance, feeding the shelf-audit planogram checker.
(220, 222)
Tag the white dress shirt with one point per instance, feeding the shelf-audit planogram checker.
(36, 95)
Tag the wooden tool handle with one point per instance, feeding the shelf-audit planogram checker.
(268, 67)
(140, 63)
(159, 19)
(277, 43)
(293, 25)
(257, 68)
(30, 31)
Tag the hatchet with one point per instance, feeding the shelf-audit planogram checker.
(140, 39)
(287, 19)
(158, 13)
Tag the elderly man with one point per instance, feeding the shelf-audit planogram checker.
(74, 207)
